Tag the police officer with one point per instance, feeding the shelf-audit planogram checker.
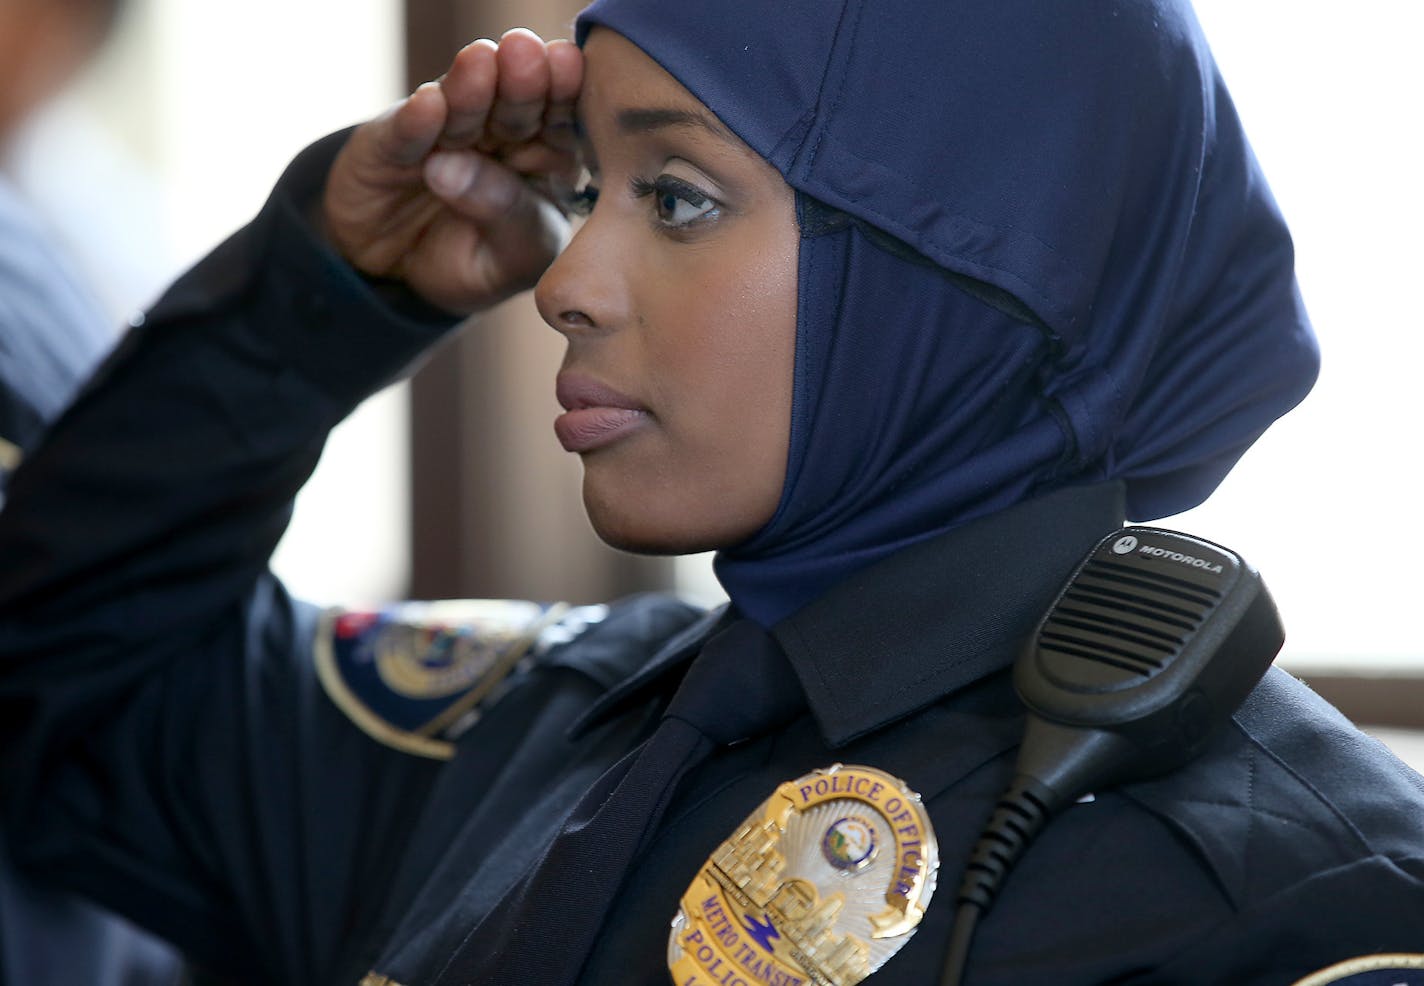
(812, 323)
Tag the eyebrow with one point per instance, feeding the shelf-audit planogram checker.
(648, 119)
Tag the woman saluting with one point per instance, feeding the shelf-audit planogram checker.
(901, 308)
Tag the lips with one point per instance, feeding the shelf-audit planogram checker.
(595, 415)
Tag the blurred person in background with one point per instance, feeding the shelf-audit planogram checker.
(54, 329)
(52, 333)
(43, 45)
(63, 149)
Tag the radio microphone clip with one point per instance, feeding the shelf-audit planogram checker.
(1151, 646)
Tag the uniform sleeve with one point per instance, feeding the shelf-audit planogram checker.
(1372, 906)
(165, 742)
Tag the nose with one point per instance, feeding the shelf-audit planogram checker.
(582, 291)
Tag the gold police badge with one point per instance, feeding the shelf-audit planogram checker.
(821, 885)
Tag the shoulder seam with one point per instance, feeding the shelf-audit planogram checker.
(1362, 844)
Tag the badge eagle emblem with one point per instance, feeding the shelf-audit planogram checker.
(825, 881)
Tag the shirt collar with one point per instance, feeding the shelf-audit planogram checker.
(941, 614)
(929, 620)
(675, 654)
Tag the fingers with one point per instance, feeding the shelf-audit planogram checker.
(496, 92)
(565, 82)
(470, 87)
(565, 71)
(518, 112)
(508, 125)
(503, 97)
(451, 189)
(409, 130)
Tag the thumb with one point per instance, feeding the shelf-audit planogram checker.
(476, 186)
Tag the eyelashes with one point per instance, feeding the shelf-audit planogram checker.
(675, 204)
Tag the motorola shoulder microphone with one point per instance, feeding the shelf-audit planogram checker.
(1152, 645)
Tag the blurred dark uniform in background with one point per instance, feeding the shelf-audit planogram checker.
(52, 334)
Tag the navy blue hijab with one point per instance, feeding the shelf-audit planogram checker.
(1036, 252)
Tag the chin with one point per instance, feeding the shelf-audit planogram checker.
(642, 536)
(645, 526)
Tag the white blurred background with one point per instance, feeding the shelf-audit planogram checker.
(169, 144)
(1330, 503)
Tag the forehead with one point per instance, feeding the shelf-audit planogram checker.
(619, 76)
(630, 108)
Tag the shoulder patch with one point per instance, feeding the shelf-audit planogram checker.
(412, 675)
(1371, 970)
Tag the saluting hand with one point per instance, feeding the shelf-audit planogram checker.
(451, 190)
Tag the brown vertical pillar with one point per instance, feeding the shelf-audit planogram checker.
(495, 501)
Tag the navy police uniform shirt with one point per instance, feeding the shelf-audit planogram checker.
(298, 796)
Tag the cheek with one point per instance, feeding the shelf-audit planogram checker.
(716, 338)
(726, 340)
(727, 336)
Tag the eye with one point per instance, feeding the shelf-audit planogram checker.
(676, 203)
